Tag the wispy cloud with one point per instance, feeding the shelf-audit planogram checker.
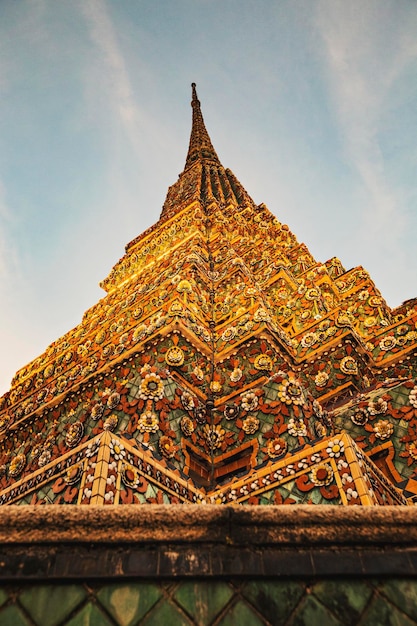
(116, 81)
(368, 46)
(110, 77)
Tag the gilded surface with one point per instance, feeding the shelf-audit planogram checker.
(224, 364)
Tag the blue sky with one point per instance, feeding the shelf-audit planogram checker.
(312, 104)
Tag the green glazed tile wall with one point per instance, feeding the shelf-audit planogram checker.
(273, 602)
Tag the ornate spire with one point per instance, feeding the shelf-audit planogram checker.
(200, 147)
(207, 182)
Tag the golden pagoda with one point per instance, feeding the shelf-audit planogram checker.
(224, 365)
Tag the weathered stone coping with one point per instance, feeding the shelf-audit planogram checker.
(73, 542)
(244, 525)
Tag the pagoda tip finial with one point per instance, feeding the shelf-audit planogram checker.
(194, 96)
(201, 148)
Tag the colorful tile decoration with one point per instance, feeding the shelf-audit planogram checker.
(224, 365)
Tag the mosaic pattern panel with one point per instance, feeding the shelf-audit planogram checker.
(109, 470)
(220, 345)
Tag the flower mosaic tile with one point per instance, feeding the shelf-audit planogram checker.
(221, 346)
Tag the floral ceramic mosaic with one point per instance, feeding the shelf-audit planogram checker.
(224, 364)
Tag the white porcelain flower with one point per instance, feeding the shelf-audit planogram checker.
(335, 448)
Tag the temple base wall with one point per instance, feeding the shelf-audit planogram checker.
(191, 564)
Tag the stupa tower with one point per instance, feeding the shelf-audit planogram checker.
(223, 365)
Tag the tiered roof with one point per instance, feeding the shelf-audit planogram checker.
(224, 364)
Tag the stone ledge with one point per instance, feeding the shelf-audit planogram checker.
(299, 525)
(87, 542)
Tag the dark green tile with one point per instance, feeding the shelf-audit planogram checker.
(203, 600)
(166, 613)
(12, 616)
(240, 614)
(312, 613)
(128, 603)
(50, 604)
(274, 599)
(402, 593)
(90, 615)
(345, 598)
(3, 597)
(381, 611)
